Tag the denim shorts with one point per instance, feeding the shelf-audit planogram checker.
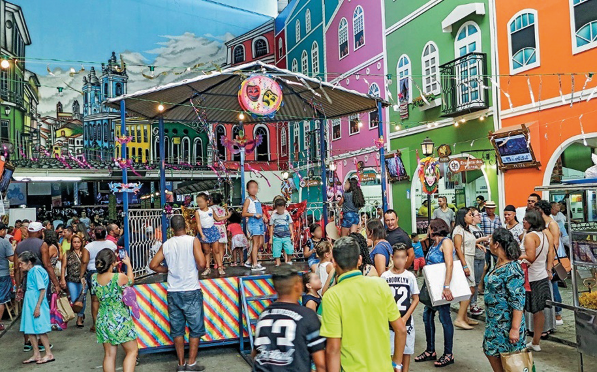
(282, 244)
(349, 219)
(256, 227)
(186, 308)
(5, 289)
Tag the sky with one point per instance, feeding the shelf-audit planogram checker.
(90, 30)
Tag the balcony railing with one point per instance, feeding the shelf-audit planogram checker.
(464, 85)
(11, 96)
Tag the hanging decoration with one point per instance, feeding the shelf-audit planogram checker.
(122, 140)
(379, 143)
(235, 145)
(257, 173)
(124, 187)
(126, 164)
(335, 190)
(429, 174)
(260, 95)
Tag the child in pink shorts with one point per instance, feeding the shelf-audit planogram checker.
(419, 256)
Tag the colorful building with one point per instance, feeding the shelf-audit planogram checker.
(257, 44)
(354, 58)
(438, 56)
(140, 145)
(549, 41)
(184, 144)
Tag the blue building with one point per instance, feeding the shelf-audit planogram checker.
(98, 120)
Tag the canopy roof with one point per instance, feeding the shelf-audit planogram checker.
(217, 94)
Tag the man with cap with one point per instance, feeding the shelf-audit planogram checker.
(489, 222)
(6, 254)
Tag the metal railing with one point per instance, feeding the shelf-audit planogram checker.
(464, 84)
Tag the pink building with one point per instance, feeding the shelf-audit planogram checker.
(355, 60)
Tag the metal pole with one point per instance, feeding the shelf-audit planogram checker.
(428, 210)
(242, 168)
(125, 196)
(382, 162)
(162, 141)
(324, 181)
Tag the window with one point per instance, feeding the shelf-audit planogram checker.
(294, 65)
(374, 90)
(283, 142)
(336, 129)
(4, 83)
(430, 61)
(358, 27)
(139, 139)
(314, 150)
(280, 48)
(106, 132)
(145, 133)
(239, 54)
(134, 154)
(353, 125)
(198, 145)
(584, 25)
(156, 149)
(262, 150)
(146, 160)
(4, 130)
(306, 131)
(176, 150)
(295, 141)
(167, 150)
(118, 89)
(315, 58)
(297, 29)
(374, 115)
(260, 47)
(343, 38)
(404, 79)
(221, 132)
(186, 150)
(307, 21)
(523, 41)
(304, 63)
(468, 40)
(235, 132)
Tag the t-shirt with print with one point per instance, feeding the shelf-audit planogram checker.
(478, 233)
(404, 286)
(281, 224)
(285, 337)
(5, 252)
(468, 240)
(418, 250)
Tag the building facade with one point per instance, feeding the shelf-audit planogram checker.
(257, 44)
(184, 144)
(438, 57)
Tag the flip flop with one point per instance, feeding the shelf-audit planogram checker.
(31, 361)
(44, 361)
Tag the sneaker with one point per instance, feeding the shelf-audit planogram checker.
(221, 271)
(42, 348)
(27, 347)
(476, 310)
(289, 262)
(195, 367)
(248, 264)
(532, 347)
(181, 368)
(258, 267)
(206, 272)
(559, 322)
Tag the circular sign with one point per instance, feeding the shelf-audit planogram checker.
(260, 95)
(454, 165)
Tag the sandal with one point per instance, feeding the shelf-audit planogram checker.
(545, 335)
(45, 360)
(426, 356)
(31, 361)
(444, 360)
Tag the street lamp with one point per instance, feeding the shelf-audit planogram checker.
(427, 146)
(7, 110)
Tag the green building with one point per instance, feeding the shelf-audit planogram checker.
(439, 54)
(184, 144)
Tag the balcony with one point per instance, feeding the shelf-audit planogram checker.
(12, 96)
(464, 85)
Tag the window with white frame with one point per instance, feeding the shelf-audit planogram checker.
(523, 41)
(283, 142)
(307, 21)
(430, 63)
(358, 27)
(336, 129)
(584, 24)
(304, 63)
(294, 65)
(198, 145)
(315, 58)
(235, 133)
(374, 90)
(296, 137)
(468, 40)
(374, 115)
(297, 30)
(354, 125)
(467, 72)
(260, 47)
(403, 72)
(343, 38)
(280, 48)
(262, 150)
(306, 132)
(315, 152)
(239, 54)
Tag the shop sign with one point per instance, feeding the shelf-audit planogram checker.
(465, 165)
(444, 152)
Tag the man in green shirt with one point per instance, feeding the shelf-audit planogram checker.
(356, 312)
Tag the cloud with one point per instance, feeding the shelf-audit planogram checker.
(173, 54)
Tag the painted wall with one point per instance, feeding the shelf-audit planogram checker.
(315, 35)
(248, 47)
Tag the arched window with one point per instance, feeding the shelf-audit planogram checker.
(304, 63)
(468, 40)
(220, 132)
(374, 90)
(280, 47)
(239, 54)
(134, 154)
(523, 41)
(176, 150)
(156, 149)
(404, 80)
(307, 21)
(139, 138)
(235, 132)
(297, 30)
(584, 25)
(315, 58)
(260, 47)
(294, 65)
(146, 156)
(430, 63)
(358, 27)
(186, 150)
(118, 89)
(167, 150)
(106, 132)
(198, 146)
(283, 142)
(343, 38)
(262, 151)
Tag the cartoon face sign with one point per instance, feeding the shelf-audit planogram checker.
(430, 176)
(260, 95)
(253, 92)
(269, 98)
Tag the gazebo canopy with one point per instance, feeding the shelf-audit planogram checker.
(217, 94)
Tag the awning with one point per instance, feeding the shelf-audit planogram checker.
(460, 12)
(215, 93)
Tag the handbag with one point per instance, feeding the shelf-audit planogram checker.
(56, 320)
(78, 304)
(424, 297)
(64, 308)
(521, 361)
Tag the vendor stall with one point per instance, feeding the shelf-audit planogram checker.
(583, 258)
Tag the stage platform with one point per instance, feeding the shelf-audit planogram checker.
(230, 302)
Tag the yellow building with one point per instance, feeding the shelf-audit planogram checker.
(139, 146)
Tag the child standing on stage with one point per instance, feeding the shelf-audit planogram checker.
(351, 202)
(220, 216)
(325, 267)
(255, 226)
(406, 294)
(238, 240)
(281, 232)
(419, 256)
(309, 250)
(312, 284)
(209, 235)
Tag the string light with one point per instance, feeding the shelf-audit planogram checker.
(241, 116)
(4, 64)
(360, 124)
(397, 127)
(161, 108)
(463, 120)
(72, 70)
(482, 117)
(456, 124)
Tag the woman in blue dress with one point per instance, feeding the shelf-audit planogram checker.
(504, 300)
(35, 318)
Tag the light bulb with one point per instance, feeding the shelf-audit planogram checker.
(360, 124)
(397, 127)
(241, 116)
(482, 118)
(161, 107)
(463, 120)
(5, 64)
(456, 124)
(72, 70)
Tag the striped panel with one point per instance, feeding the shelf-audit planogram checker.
(257, 288)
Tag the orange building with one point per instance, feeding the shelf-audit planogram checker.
(548, 48)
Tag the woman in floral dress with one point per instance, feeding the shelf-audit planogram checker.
(504, 300)
(114, 324)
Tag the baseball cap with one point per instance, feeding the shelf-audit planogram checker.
(35, 227)
(490, 204)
